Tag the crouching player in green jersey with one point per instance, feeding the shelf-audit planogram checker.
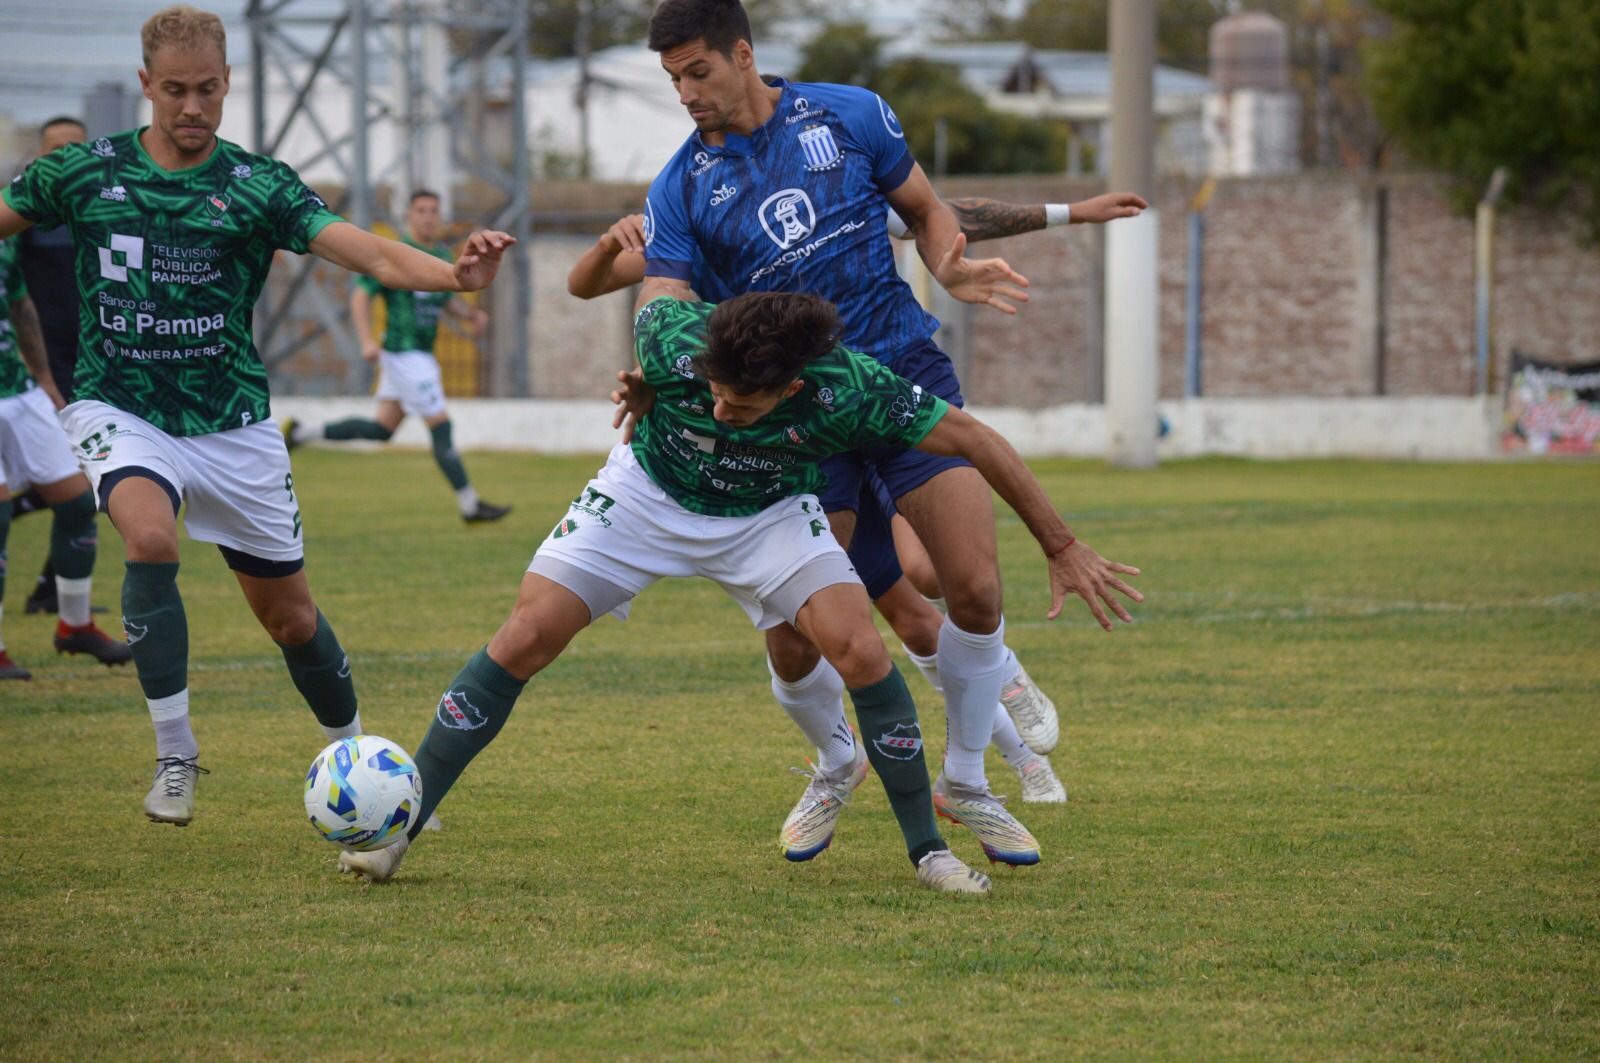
(720, 482)
(175, 231)
(408, 372)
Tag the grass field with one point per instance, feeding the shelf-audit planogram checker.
(1335, 795)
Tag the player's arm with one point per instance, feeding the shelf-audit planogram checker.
(11, 223)
(943, 246)
(990, 219)
(30, 344)
(655, 288)
(1074, 567)
(615, 261)
(397, 265)
(361, 320)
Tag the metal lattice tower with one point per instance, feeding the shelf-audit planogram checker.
(413, 72)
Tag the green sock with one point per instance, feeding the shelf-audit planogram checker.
(321, 672)
(356, 428)
(157, 629)
(72, 537)
(888, 720)
(444, 452)
(473, 709)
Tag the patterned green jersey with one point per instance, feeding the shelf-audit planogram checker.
(14, 378)
(847, 401)
(169, 268)
(411, 319)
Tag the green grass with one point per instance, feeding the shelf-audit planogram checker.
(1335, 795)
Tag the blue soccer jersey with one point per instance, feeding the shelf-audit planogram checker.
(797, 206)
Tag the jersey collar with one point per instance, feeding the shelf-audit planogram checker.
(144, 156)
(745, 146)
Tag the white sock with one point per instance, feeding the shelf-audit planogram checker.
(1008, 742)
(467, 500)
(353, 728)
(72, 596)
(972, 667)
(937, 603)
(1013, 668)
(928, 666)
(3, 608)
(170, 716)
(816, 705)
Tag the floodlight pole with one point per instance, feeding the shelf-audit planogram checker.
(1132, 310)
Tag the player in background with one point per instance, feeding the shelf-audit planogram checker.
(720, 482)
(787, 187)
(34, 452)
(1028, 730)
(408, 371)
(174, 231)
(46, 258)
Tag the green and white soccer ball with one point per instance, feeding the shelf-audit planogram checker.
(363, 792)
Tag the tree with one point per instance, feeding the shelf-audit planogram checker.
(1084, 26)
(1470, 85)
(925, 95)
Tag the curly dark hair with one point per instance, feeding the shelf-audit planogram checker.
(720, 23)
(762, 341)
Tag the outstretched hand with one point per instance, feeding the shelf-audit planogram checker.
(479, 260)
(1108, 207)
(1079, 570)
(633, 400)
(626, 234)
(980, 280)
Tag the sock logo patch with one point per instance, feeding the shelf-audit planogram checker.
(456, 711)
(902, 742)
(132, 632)
(344, 667)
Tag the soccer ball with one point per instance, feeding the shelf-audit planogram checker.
(363, 792)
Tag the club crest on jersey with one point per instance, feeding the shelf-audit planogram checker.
(217, 204)
(822, 152)
(103, 148)
(903, 742)
(456, 711)
(788, 217)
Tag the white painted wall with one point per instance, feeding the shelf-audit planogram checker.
(1413, 429)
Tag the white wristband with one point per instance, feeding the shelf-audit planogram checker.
(1057, 214)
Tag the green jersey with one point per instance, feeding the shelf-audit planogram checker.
(169, 268)
(14, 376)
(847, 401)
(411, 319)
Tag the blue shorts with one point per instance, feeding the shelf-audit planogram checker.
(869, 481)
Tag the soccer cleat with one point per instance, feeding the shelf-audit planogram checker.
(485, 513)
(1034, 714)
(10, 669)
(809, 828)
(171, 796)
(1039, 783)
(940, 870)
(91, 640)
(375, 866)
(1004, 840)
(287, 428)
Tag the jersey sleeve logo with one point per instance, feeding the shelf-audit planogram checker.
(788, 217)
(649, 222)
(890, 122)
(822, 152)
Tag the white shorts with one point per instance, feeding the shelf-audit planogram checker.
(623, 533)
(411, 378)
(236, 484)
(34, 450)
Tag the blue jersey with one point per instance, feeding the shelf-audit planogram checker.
(797, 206)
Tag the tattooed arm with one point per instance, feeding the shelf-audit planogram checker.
(30, 342)
(990, 219)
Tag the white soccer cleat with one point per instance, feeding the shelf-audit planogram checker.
(940, 870)
(171, 796)
(1004, 839)
(375, 866)
(1039, 783)
(809, 828)
(1038, 725)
